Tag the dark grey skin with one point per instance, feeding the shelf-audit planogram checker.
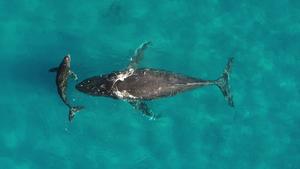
(138, 85)
(63, 72)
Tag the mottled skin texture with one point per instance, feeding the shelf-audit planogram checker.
(143, 84)
(97, 85)
(137, 85)
(148, 84)
(62, 75)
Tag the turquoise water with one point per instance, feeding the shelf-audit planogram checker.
(198, 129)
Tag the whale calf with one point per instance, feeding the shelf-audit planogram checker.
(138, 85)
(63, 72)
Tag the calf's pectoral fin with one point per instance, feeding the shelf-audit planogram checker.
(73, 75)
(138, 55)
(53, 69)
(143, 107)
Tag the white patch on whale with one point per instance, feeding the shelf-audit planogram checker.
(124, 94)
(122, 77)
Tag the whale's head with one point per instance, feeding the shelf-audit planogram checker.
(67, 60)
(96, 86)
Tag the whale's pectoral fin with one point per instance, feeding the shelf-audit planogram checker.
(73, 75)
(138, 55)
(143, 107)
(55, 69)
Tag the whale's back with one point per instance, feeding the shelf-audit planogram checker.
(149, 84)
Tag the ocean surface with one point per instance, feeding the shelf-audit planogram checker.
(197, 130)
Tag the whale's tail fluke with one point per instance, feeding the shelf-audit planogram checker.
(73, 111)
(223, 83)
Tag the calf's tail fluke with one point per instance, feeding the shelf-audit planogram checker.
(73, 111)
(223, 83)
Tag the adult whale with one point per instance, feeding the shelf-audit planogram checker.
(138, 85)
